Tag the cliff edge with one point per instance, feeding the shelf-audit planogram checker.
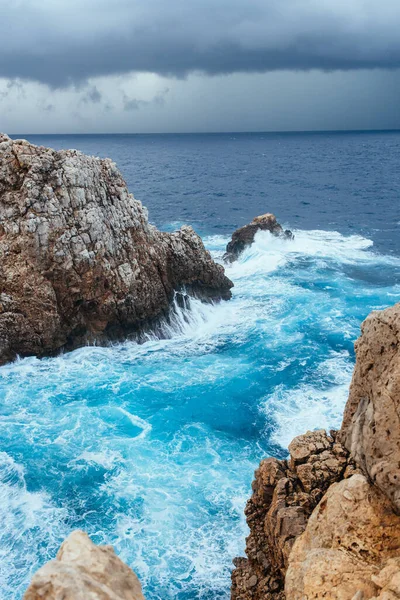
(79, 261)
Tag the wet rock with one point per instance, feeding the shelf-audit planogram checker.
(244, 237)
(284, 495)
(350, 548)
(84, 571)
(371, 423)
(79, 261)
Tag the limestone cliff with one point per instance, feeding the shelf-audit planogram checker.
(284, 495)
(79, 261)
(344, 545)
(351, 537)
(371, 423)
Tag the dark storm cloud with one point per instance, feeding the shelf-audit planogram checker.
(60, 42)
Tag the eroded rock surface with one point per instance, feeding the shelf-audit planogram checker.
(347, 545)
(79, 260)
(284, 495)
(84, 571)
(371, 423)
(244, 237)
(350, 548)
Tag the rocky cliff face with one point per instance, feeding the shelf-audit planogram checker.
(344, 545)
(371, 423)
(351, 537)
(284, 495)
(79, 260)
(83, 571)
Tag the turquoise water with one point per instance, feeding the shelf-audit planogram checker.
(152, 447)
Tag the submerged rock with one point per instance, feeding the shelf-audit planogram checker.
(83, 571)
(79, 261)
(244, 237)
(371, 423)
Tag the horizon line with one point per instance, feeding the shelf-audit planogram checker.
(269, 132)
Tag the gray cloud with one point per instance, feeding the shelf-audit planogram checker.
(92, 95)
(13, 86)
(135, 104)
(131, 103)
(66, 42)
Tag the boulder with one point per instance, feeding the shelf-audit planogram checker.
(79, 261)
(371, 422)
(244, 237)
(84, 571)
(350, 549)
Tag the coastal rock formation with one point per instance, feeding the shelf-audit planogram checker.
(345, 546)
(84, 571)
(350, 548)
(371, 423)
(244, 237)
(79, 261)
(284, 495)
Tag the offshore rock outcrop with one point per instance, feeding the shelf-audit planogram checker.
(83, 571)
(344, 545)
(79, 261)
(244, 236)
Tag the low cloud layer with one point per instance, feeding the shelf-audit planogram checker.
(64, 42)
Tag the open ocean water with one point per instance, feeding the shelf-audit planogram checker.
(152, 447)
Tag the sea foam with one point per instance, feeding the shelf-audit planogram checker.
(152, 446)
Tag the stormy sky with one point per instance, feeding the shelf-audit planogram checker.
(198, 65)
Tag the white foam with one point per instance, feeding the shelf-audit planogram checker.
(28, 520)
(138, 422)
(307, 407)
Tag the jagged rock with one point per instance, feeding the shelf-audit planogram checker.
(79, 260)
(347, 547)
(371, 423)
(84, 571)
(284, 495)
(350, 549)
(244, 237)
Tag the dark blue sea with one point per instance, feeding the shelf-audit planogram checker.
(152, 447)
